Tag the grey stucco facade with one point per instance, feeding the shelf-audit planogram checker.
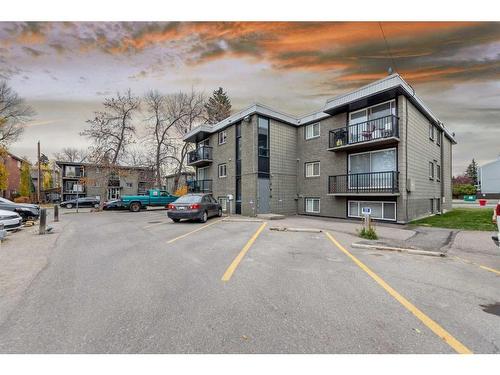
(418, 145)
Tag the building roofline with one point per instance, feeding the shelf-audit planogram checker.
(394, 81)
(60, 163)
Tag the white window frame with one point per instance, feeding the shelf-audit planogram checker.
(313, 199)
(219, 168)
(377, 218)
(311, 163)
(223, 134)
(431, 132)
(367, 109)
(311, 126)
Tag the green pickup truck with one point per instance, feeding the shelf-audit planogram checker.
(154, 197)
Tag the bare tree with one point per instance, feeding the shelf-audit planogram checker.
(14, 113)
(164, 113)
(72, 154)
(196, 114)
(111, 131)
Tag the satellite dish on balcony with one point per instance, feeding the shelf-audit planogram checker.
(390, 70)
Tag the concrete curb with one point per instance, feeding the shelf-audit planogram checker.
(284, 229)
(237, 220)
(399, 249)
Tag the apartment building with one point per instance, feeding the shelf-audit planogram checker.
(378, 146)
(126, 180)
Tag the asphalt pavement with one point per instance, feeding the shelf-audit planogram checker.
(121, 282)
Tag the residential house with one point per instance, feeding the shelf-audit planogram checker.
(489, 180)
(13, 165)
(379, 146)
(126, 180)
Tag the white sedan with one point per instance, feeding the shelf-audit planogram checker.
(10, 220)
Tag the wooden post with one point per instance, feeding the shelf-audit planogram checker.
(39, 176)
(43, 221)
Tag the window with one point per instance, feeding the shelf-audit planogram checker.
(312, 131)
(438, 138)
(438, 172)
(380, 210)
(432, 205)
(222, 137)
(431, 170)
(129, 184)
(438, 205)
(312, 205)
(372, 169)
(431, 132)
(222, 170)
(223, 203)
(263, 147)
(312, 169)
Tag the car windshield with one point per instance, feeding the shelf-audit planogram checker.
(189, 199)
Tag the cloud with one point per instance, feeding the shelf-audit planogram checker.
(33, 52)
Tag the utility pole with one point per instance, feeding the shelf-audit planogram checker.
(39, 175)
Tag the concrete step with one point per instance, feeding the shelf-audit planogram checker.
(271, 216)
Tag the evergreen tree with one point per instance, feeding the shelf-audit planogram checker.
(471, 172)
(218, 107)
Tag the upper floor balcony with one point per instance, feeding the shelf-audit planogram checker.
(377, 131)
(372, 183)
(200, 186)
(200, 157)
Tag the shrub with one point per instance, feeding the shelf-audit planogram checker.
(464, 189)
(369, 234)
(22, 200)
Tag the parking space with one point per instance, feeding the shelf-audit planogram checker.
(137, 282)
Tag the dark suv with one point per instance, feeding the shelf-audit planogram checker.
(194, 206)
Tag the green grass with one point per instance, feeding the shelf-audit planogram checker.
(369, 233)
(461, 218)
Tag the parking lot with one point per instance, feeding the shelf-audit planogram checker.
(121, 282)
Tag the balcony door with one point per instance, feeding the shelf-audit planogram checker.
(366, 169)
(362, 124)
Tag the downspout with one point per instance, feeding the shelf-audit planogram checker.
(441, 179)
(406, 156)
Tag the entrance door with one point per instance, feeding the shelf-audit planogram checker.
(113, 193)
(264, 193)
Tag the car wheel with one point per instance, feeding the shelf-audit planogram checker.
(69, 205)
(219, 213)
(96, 205)
(176, 220)
(204, 217)
(135, 207)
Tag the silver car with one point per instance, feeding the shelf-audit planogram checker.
(194, 206)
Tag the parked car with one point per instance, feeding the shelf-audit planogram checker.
(154, 197)
(194, 206)
(10, 220)
(82, 202)
(496, 220)
(114, 204)
(25, 210)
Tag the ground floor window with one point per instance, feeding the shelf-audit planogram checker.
(223, 203)
(380, 210)
(312, 205)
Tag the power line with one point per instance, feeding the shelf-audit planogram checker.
(387, 46)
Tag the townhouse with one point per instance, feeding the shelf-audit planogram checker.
(378, 146)
(126, 180)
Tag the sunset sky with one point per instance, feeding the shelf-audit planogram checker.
(65, 70)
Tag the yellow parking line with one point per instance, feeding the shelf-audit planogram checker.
(232, 267)
(154, 225)
(431, 324)
(479, 265)
(193, 231)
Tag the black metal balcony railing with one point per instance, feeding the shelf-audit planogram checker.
(200, 186)
(379, 128)
(201, 153)
(360, 183)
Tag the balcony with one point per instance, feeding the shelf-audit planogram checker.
(200, 157)
(377, 131)
(374, 183)
(200, 186)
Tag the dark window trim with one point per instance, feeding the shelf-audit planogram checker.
(431, 168)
